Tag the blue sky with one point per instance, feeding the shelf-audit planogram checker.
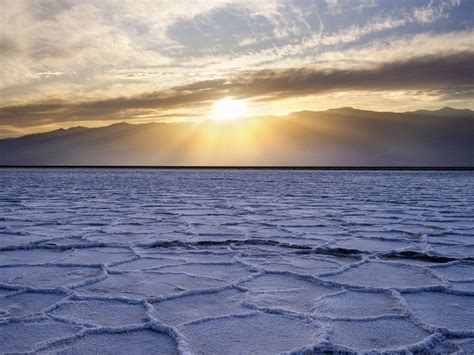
(95, 62)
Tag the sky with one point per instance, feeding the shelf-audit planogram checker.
(96, 62)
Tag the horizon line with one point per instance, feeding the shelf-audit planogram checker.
(245, 167)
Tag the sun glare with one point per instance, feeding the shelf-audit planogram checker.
(228, 108)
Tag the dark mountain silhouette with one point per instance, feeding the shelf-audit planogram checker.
(345, 136)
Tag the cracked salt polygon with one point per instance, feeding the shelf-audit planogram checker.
(385, 275)
(228, 272)
(372, 244)
(98, 255)
(352, 304)
(26, 336)
(455, 250)
(456, 272)
(32, 256)
(118, 343)
(380, 334)
(285, 291)
(462, 285)
(26, 303)
(452, 311)
(146, 263)
(300, 264)
(101, 313)
(147, 284)
(250, 334)
(50, 276)
(191, 307)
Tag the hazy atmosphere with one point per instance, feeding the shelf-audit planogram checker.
(95, 63)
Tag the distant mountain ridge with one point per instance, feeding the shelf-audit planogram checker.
(336, 137)
(445, 111)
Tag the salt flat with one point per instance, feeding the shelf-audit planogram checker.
(236, 261)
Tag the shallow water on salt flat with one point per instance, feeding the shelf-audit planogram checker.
(236, 261)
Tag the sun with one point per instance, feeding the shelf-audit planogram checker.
(228, 108)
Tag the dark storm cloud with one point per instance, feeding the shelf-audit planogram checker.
(418, 73)
(446, 74)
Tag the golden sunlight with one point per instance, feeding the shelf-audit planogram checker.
(228, 108)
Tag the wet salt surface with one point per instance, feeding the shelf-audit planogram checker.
(236, 261)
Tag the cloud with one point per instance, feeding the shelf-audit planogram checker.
(434, 12)
(67, 61)
(416, 73)
(9, 47)
(453, 73)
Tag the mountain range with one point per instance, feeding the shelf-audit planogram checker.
(336, 137)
